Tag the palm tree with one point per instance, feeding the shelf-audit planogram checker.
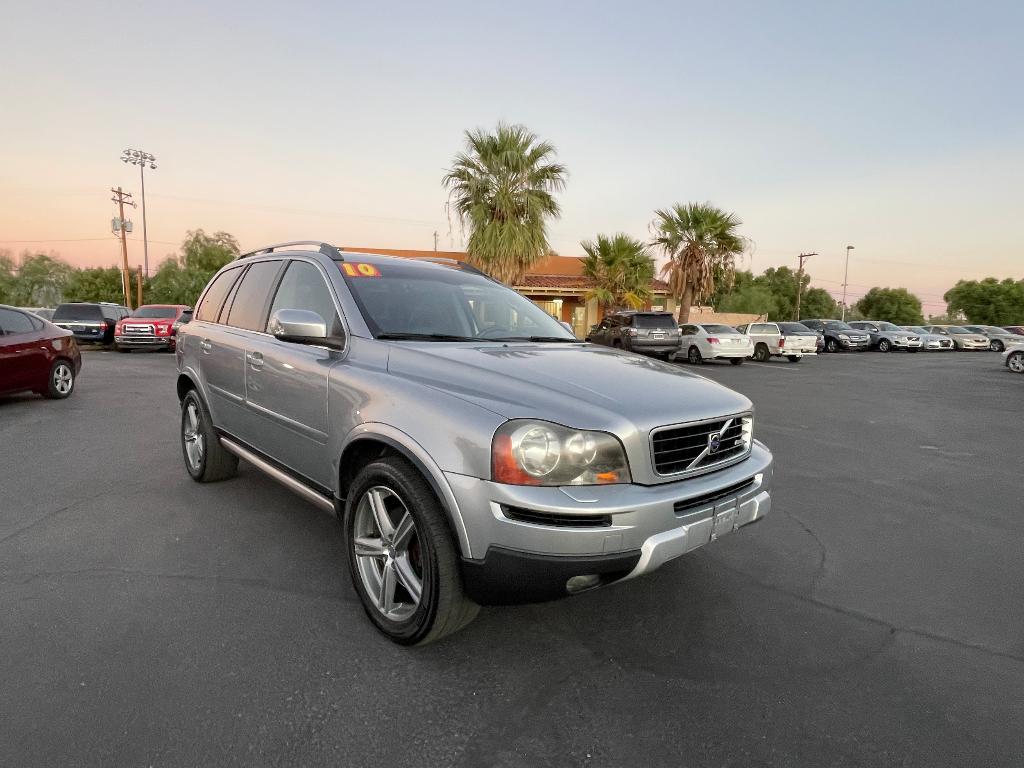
(621, 269)
(701, 242)
(503, 187)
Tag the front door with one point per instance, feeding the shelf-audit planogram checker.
(286, 383)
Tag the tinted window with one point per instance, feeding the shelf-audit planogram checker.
(156, 312)
(251, 298)
(688, 330)
(209, 307)
(719, 329)
(89, 312)
(304, 287)
(15, 322)
(654, 321)
(763, 328)
(113, 313)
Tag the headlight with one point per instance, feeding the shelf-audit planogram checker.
(844, 337)
(541, 453)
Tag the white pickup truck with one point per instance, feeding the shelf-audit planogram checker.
(769, 341)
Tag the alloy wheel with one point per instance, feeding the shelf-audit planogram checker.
(193, 436)
(694, 356)
(1016, 362)
(387, 551)
(63, 378)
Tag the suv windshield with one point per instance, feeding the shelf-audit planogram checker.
(78, 312)
(888, 327)
(155, 312)
(417, 301)
(839, 325)
(654, 321)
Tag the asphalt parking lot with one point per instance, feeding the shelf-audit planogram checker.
(875, 618)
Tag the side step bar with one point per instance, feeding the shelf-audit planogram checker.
(282, 477)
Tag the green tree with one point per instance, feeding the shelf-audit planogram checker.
(8, 277)
(701, 243)
(502, 186)
(180, 279)
(987, 302)
(897, 305)
(621, 269)
(96, 284)
(40, 281)
(817, 302)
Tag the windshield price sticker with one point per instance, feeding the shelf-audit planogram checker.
(359, 269)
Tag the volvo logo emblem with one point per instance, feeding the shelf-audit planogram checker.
(714, 442)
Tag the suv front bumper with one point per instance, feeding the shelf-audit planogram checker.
(526, 542)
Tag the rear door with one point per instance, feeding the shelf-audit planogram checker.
(23, 358)
(286, 383)
(220, 352)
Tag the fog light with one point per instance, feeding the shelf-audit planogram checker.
(580, 583)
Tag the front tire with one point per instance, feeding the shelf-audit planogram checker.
(205, 458)
(402, 557)
(997, 345)
(831, 345)
(122, 349)
(884, 345)
(1015, 362)
(62, 380)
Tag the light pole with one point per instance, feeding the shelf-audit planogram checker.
(846, 272)
(141, 159)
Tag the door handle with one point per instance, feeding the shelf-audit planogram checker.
(205, 345)
(255, 359)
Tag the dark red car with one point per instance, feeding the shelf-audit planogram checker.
(36, 355)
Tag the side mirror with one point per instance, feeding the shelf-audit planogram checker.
(298, 325)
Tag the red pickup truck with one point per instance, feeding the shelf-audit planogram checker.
(151, 326)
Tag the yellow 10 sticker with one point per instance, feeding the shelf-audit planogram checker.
(359, 269)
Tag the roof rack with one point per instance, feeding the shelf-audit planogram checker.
(324, 247)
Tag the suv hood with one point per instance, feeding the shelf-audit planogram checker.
(584, 386)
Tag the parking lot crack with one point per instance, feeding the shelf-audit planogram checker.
(49, 515)
(819, 573)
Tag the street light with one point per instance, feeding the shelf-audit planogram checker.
(846, 274)
(141, 159)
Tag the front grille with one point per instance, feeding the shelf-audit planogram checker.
(700, 446)
(142, 330)
(556, 520)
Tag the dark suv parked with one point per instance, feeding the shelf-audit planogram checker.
(839, 335)
(652, 333)
(91, 323)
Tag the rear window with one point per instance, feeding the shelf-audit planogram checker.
(653, 321)
(78, 312)
(718, 329)
(795, 328)
(763, 328)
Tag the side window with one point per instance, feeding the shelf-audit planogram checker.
(209, 307)
(250, 302)
(303, 287)
(12, 322)
(689, 330)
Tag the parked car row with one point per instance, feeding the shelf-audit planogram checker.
(151, 326)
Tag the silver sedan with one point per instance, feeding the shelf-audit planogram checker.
(999, 338)
(933, 342)
(960, 336)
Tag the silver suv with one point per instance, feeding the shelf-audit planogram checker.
(474, 451)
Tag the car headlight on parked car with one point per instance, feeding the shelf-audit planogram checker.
(527, 452)
(844, 337)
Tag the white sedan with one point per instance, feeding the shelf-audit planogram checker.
(700, 342)
(1014, 355)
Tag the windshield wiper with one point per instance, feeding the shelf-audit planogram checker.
(424, 337)
(542, 339)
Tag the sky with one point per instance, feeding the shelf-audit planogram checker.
(895, 127)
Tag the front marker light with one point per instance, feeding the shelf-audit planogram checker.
(526, 452)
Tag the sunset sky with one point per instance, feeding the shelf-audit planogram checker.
(895, 127)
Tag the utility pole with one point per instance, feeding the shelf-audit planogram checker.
(435, 242)
(138, 286)
(800, 282)
(846, 276)
(121, 198)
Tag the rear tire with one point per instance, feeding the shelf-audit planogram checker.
(62, 380)
(761, 353)
(1015, 362)
(694, 356)
(206, 460)
(737, 361)
(410, 584)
